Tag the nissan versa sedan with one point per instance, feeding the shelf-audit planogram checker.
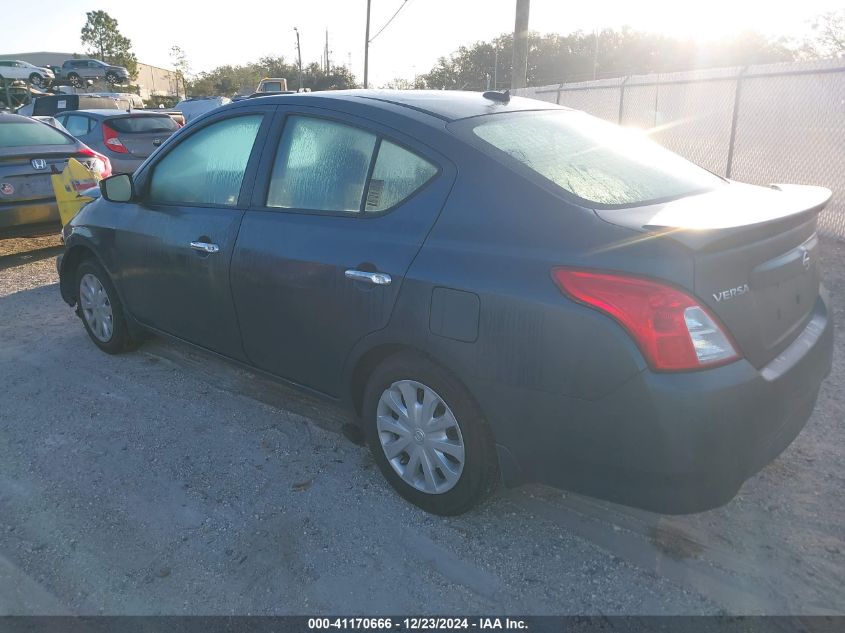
(498, 288)
(30, 151)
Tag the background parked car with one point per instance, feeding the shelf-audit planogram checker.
(51, 105)
(127, 138)
(30, 151)
(17, 69)
(77, 71)
(50, 120)
(196, 106)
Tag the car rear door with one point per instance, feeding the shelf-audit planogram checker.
(174, 245)
(340, 210)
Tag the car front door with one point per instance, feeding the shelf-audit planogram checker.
(339, 211)
(175, 243)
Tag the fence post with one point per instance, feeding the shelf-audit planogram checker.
(622, 97)
(732, 141)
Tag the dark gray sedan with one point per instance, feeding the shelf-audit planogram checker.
(492, 285)
(127, 138)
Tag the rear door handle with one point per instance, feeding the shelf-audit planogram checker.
(205, 247)
(378, 279)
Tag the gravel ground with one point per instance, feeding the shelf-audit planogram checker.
(169, 482)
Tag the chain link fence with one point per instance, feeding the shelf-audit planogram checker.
(760, 124)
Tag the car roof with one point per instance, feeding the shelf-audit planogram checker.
(448, 105)
(106, 112)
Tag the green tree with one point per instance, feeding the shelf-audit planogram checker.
(105, 41)
(180, 63)
(581, 56)
(231, 80)
(828, 35)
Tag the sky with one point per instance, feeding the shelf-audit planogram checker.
(214, 33)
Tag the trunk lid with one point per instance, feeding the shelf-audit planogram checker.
(755, 253)
(141, 135)
(20, 181)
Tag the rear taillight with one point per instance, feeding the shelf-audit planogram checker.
(112, 141)
(96, 162)
(673, 331)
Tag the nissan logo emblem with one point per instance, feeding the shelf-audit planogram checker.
(39, 163)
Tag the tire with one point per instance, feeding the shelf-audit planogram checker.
(35, 79)
(112, 78)
(97, 297)
(74, 80)
(437, 493)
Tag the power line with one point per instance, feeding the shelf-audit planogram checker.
(402, 6)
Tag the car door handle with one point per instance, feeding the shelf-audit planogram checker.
(379, 279)
(205, 247)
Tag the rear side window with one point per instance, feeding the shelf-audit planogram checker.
(320, 165)
(208, 167)
(77, 125)
(143, 124)
(28, 133)
(597, 161)
(398, 173)
(324, 165)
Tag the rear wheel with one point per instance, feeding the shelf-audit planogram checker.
(427, 435)
(100, 309)
(75, 80)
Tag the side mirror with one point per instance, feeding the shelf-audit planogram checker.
(119, 188)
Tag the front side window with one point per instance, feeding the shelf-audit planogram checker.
(208, 167)
(320, 165)
(597, 161)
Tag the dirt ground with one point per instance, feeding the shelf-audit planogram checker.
(169, 482)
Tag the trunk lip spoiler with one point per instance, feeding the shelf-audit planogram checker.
(781, 201)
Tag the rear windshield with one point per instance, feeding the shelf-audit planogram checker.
(143, 124)
(596, 161)
(25, 133)
(271, 86)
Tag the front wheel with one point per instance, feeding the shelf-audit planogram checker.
(100, 309)
(427, 435)
(111, 78)
(35, 79)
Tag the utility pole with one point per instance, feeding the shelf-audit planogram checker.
(595, 52)
(496, 68)
(519, 73)
(327, 51)
(299, 55)
(367, 45)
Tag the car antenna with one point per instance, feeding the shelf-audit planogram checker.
(502, 96)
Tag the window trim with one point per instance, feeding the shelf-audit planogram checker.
(146, 177)
(272, 147)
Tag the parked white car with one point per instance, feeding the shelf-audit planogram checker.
(17, 69)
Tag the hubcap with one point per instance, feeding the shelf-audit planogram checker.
(420, 437)
(96, 307)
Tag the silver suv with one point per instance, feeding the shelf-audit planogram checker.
(77, 71)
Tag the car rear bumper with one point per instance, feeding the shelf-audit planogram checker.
(672, 443)
(19, 214)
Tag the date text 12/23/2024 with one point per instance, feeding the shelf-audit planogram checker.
(416, 624)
